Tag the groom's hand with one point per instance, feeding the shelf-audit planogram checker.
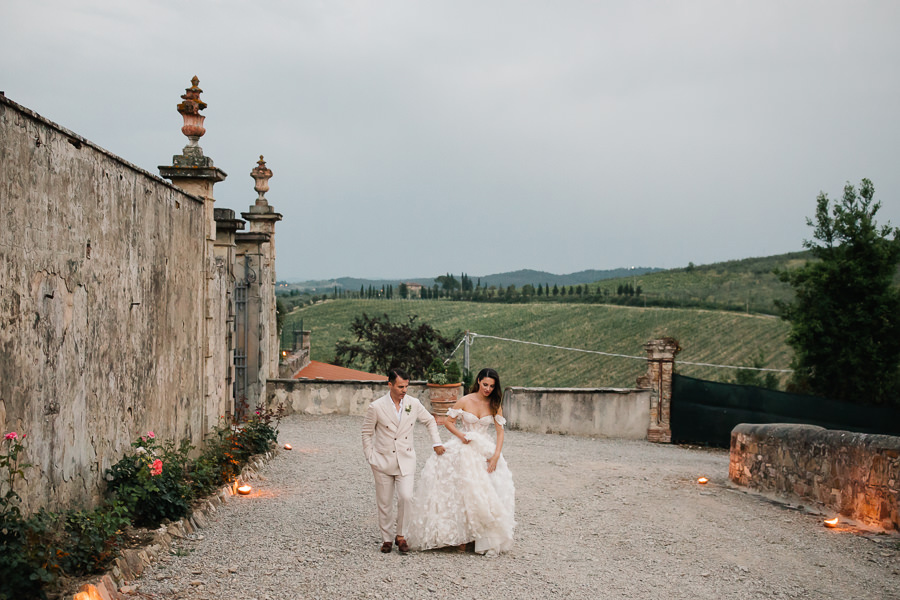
(438, 450)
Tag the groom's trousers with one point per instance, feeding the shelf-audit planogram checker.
(385, 485)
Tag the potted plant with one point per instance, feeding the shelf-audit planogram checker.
(444, 387)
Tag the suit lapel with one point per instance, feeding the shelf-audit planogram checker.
(387, 406)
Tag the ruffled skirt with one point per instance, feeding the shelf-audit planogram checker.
(457, 501)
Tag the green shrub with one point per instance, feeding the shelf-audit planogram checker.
(151, 481)
(92, 538)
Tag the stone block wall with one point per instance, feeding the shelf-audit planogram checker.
(601, 412)
(857, 475)
(102, 310)
(328, 397)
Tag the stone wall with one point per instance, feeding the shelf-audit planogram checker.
(101, 306)
(329, 397)
(608, 412)
(602, 412)
(854, 474)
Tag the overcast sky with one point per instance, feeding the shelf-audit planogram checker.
(412, 138)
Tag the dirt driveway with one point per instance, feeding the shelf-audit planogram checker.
(596, 519)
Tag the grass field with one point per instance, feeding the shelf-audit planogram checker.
(749, 284)
(718, 337)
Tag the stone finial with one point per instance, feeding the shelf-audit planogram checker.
(261, 174)
(190, 111)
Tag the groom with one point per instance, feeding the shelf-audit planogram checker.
(387, 438)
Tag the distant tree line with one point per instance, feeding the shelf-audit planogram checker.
(465, 288)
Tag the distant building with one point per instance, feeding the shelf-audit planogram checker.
(415, 290)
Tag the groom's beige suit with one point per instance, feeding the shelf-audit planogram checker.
(387, 440)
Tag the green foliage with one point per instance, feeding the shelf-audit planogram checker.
(382, 345)
(440, 374)
(281, 310)
(763, 379)
(26, 565)
(151, 481)
(435, 373)
(845, 320)
(454, 374)
(230, 445)
(28, 556)
(36, 550)
(92, 538)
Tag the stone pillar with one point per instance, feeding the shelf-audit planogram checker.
(262, 218)
(225, 250)
(195, 174)
(660, 365)
(256, 327)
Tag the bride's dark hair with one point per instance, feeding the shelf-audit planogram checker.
(496, 396)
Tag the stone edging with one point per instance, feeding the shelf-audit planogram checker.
(115, 584)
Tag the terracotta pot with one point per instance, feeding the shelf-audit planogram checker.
(442, 398)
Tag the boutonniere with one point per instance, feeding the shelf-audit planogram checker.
(408, 408)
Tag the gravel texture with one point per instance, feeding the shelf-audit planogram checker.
(597, 518)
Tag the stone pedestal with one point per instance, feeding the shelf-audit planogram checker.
(660, 364)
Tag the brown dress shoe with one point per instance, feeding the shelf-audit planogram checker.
(402, 546)
(386, 547)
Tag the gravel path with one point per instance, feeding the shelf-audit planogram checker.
(596, 519)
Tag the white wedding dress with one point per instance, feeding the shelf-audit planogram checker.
(457, 500)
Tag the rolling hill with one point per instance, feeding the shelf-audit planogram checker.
(718, 337)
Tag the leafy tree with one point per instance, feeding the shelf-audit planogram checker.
(448, 282)
(382, 345)
(757, 378)
(404, 290)
(280, 312)
(845, 319)
(555, 290)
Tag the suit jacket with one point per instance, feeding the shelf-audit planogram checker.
(387, 443)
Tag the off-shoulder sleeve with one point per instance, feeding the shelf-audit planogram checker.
(497, 418)
(453, 412)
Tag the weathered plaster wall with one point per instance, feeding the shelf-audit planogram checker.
(607, 412)
(603, 412)
(855, 474)
(101, 306)
(324, 397)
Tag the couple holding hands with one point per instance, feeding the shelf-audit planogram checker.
(466, 492)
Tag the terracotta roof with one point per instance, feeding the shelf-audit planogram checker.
(320, 370)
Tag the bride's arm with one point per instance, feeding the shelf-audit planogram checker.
(450, 422)
(492, 461)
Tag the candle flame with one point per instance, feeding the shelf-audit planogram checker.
(703, 481)
(831, 522)
(244, 489)
(288, 447)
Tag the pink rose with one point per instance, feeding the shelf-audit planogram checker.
(156, 468)
(12, 435)
(151, 435)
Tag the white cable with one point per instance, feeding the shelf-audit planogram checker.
(680, 362)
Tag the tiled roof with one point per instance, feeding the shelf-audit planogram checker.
(320, 370)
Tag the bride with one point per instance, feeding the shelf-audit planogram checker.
(467, 494)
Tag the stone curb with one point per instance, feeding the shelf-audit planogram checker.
(116, 584)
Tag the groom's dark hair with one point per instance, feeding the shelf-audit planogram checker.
(393, 374)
